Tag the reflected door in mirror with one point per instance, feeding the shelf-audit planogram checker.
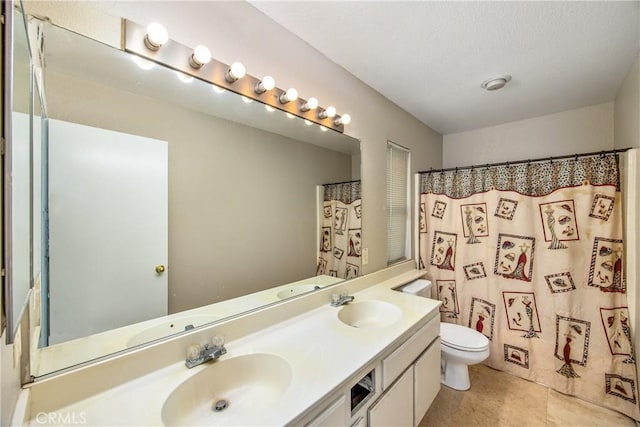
(108, 229)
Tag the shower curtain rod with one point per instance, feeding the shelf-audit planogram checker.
(542, 159)
(343, 182)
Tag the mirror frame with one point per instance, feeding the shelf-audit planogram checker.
(7, 105)
(12, 314)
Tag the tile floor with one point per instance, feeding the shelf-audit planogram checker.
(500, 399)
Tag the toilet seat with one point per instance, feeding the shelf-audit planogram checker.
(462, 338)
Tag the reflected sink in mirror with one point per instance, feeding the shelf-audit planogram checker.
(296, 290)
(170, 327)
(235, 391)
(369, 314)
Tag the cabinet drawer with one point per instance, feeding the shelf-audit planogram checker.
(394, 364)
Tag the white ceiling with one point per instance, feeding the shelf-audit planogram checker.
(431, 57)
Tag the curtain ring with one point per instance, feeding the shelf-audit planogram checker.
(551, 160)
(576, 158)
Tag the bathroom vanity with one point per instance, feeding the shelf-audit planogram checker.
(398, 388)
(374, 361)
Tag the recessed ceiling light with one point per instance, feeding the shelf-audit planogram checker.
(495, 83)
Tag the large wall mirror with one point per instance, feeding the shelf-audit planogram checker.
(169, 203)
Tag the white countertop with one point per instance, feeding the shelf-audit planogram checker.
(322, 351)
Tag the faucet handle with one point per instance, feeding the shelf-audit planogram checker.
(218, 340)
(335, 299)
(193, 351)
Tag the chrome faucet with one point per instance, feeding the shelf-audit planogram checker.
(197, 354)
(342, 299)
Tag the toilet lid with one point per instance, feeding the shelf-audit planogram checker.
(462, 338)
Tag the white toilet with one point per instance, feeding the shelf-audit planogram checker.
(461, 347)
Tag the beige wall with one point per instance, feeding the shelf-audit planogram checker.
(237, 31)
(9, 377)
(574, 131)
(627, 134)
(627, 109)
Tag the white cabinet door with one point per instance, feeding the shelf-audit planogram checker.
(108, 220)
(427, 380)
(395, 406)
(334, 415)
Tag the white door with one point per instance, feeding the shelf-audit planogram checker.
(108, 227)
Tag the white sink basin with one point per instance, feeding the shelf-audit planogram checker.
(294, 290)
(369, 314)
(247, 385)
(170, 327)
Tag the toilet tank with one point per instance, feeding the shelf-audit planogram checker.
(420, 287)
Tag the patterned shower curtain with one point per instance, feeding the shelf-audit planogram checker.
(531, 256)
(341, 231)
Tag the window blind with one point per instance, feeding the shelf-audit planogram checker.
(397, 202)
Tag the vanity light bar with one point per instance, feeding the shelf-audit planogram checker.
(231, 77)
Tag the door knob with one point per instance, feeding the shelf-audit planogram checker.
(160, 269)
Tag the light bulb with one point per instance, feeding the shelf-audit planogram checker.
(235, 72)
(329, 112)
(345, 119)
(311, 104)
(290, 95)
(156, 36)
(200, 56)
(266, 84)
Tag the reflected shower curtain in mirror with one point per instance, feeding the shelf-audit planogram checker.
(341, 232)
(531, 256)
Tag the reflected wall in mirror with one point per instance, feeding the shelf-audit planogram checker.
(171, 203)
